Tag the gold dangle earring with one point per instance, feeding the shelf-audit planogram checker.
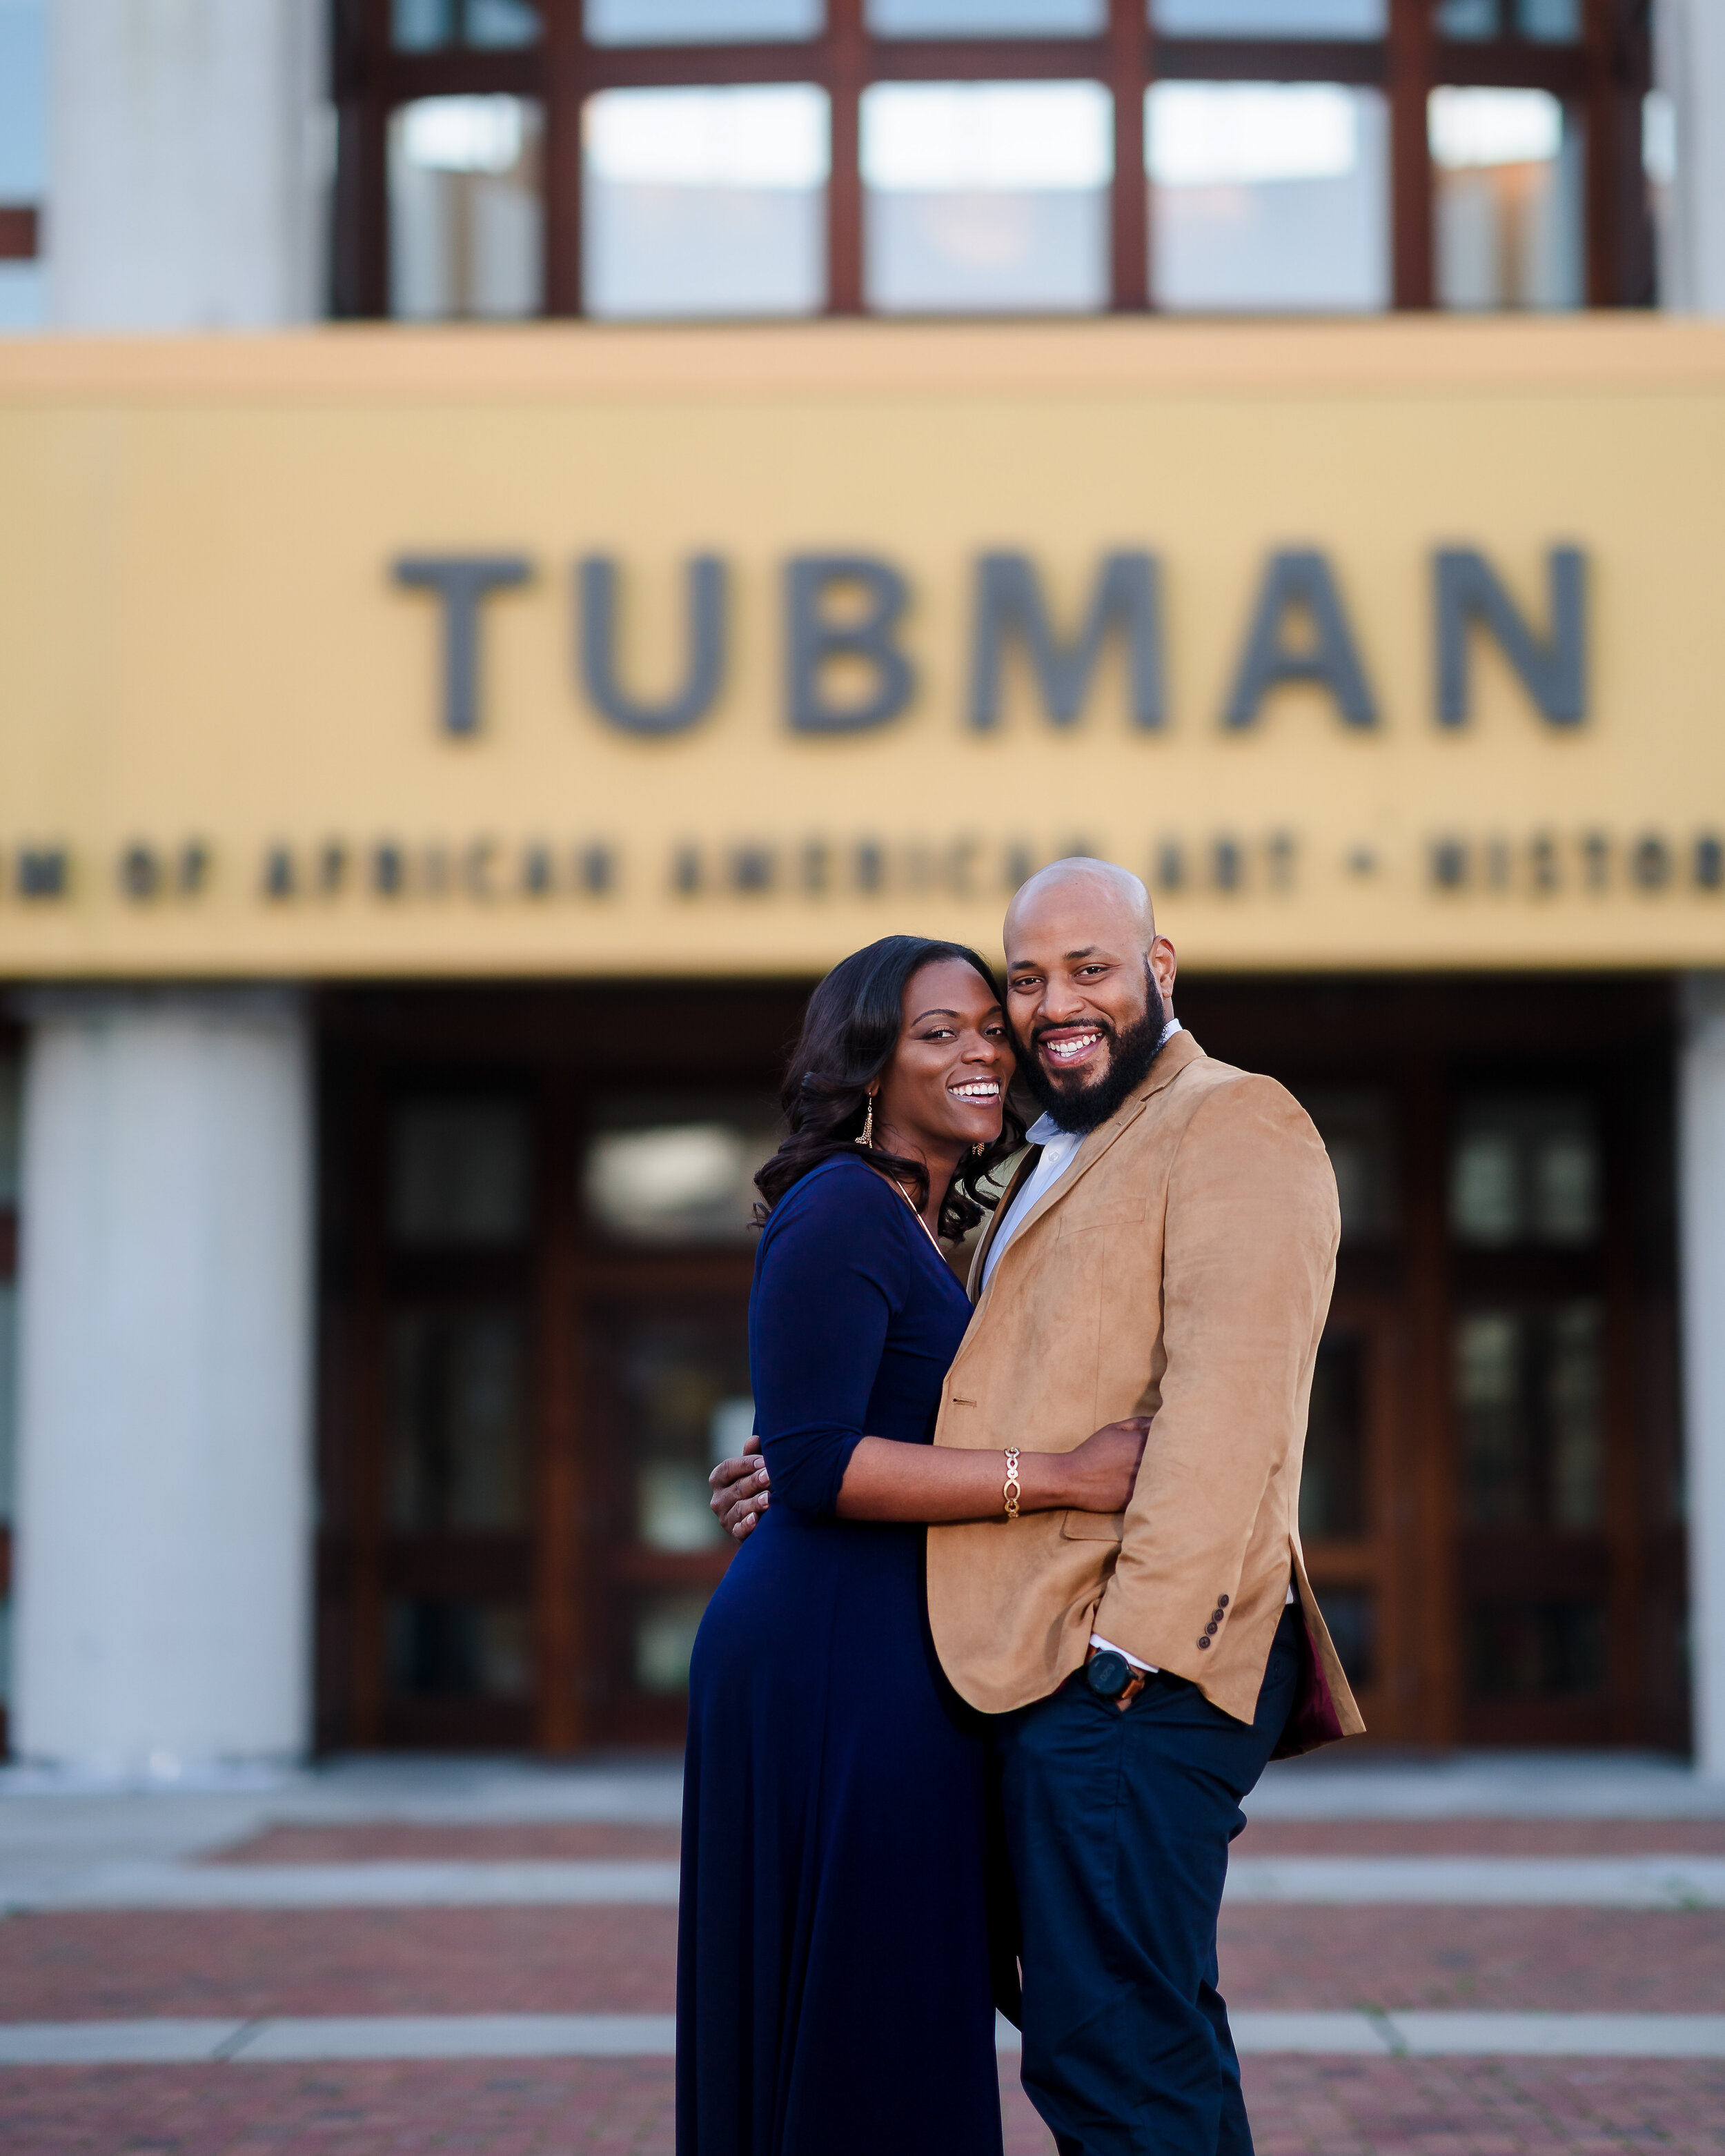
(868, 1128)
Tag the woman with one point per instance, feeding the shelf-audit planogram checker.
(833, 1986)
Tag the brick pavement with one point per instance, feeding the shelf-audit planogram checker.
(1515, 1960)
(78, 1965)
(571, 2108)
(87, 1964)
(91, 1965)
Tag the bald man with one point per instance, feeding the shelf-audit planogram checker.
(1166, 1250)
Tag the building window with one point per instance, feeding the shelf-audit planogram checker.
(1270, 18)
(986, 19)
(428, 26)
(701, 21)
(677, 159)
(985, 196)
(465, 220)
(705, 201)
(1268, 197)
(1507, 165)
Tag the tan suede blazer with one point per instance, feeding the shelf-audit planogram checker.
(1181, 1269)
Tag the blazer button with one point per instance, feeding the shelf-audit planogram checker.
(1211, 1627)
(1216, 1613)
(1221, 1602)
(1202, 1646)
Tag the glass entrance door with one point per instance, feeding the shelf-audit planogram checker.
(1528, 1236)
(667, 1194)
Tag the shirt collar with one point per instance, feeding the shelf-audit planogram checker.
(1046, 1131)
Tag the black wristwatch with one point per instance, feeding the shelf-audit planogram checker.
(1108, 1674)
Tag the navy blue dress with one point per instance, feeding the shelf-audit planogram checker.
(832, 1984)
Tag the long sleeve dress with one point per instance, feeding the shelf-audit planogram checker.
(833, 1986)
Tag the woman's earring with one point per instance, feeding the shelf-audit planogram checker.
(868, 1128)
(979, 1147)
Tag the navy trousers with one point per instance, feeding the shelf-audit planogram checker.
(1118, 1824)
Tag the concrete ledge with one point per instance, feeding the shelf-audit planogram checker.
(312, 2040)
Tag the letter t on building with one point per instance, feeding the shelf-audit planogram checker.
(461, 580)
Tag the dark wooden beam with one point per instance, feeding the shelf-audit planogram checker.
(1128, 64)
(844, 57)
(1412, 281)
(1269, 59)
(1619, 225)
(1511, 63)
(458, 71)
(20, 231)
(567, 60)
(359, 250)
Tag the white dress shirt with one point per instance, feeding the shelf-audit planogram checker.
(1059, 1147)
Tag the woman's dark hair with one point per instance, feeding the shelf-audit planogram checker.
(849, 1034)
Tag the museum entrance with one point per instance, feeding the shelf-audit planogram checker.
(535, 1261)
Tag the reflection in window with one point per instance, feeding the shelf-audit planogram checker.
(458, 1449)
(1333, 1478)
(1270, 197)
(701, 21)
(1270, 19)
(1508, 166)
(444, 1648)
(986, 19)
(664, 1630)
(8, 1401)
(1526, 1169)
(1544, 1649)
(11, 1108)
(985, 196)
(1541, 22)
(672, 1511)
(422, 26)
(677, 1183)
(1351, 1613)
(459, 1172)
(465, 214)
(706, 202)
(1358, 1131)
(1527, 1390)
(683, 1392)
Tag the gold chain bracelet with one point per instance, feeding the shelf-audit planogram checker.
(1012, 1492)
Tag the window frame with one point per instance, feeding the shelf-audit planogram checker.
(1602, 80)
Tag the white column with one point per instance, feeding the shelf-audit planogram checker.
(162, 1512)
(185, 148)
(1689, 65)
(1700, 1199)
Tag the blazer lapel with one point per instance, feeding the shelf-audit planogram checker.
(1180, 1051)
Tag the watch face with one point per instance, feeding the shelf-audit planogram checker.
(1108, 1674)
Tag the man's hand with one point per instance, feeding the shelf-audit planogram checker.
(741, 1491)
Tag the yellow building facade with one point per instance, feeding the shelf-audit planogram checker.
(232, 747)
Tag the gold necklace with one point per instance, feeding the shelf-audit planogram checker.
(921, 1221)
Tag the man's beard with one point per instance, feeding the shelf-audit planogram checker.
(1077, 1108)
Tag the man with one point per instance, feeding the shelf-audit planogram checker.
(1168, 1252)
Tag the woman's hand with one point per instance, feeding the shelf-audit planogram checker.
(1100, 1475)
(740, 1490)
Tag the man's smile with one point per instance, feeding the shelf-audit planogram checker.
(1065, 1050)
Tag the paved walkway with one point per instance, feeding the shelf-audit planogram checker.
(1478, 1959)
